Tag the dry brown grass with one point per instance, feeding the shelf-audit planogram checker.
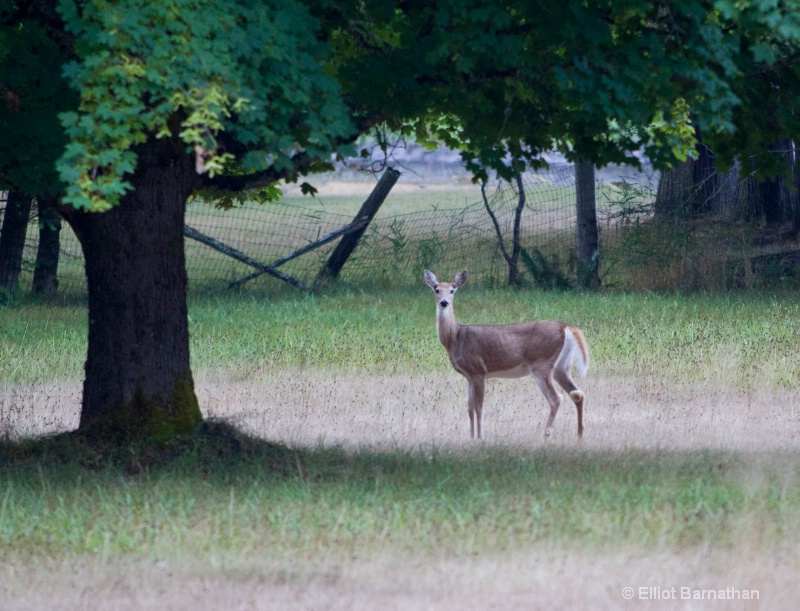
(302, 408)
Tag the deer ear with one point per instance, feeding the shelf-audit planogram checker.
(461, 278)
(430, 279)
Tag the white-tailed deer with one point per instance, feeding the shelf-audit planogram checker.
(544, 349)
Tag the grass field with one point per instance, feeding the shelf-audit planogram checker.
(358, 487)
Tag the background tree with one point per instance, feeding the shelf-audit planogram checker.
(586, 239)
(12, 239)
(32, 94)
(45, 272)
(760, 152)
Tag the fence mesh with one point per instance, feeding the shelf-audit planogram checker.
(393, 250)
(715, 235)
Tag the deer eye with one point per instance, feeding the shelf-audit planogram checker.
(437, 290)
(452, 291)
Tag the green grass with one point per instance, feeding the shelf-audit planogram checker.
(205, 500)
(212, 502)
(746, 340)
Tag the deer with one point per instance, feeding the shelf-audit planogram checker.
(543, 349)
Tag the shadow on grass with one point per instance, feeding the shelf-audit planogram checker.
(428, 495)
(214, 443)
(220, 451)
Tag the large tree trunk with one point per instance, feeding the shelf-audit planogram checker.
(138, 378)
(587, 235)
(45, 273)
(12, 239)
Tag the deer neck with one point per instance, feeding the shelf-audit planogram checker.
(446, 326)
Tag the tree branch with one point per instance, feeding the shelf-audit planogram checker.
(301, 164)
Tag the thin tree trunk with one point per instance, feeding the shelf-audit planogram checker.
(513, 262)
(138, 377)
(512, 258)
(12, 239)
(586, 231)
(45, 273)
(729, 203)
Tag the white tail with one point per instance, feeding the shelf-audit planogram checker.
(544, 349)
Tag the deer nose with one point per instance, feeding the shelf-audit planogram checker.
(443, 303)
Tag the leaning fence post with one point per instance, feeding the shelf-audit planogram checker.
(346, 246)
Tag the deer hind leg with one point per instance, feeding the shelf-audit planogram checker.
(477, 387)
(576, 394)
(553, 398)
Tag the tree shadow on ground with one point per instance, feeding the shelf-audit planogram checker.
(213, 444)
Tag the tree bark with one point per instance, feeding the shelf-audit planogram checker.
(674, 189)
(138, 378)
(513, 260)
(705, 188)
(588, 248)
(45, 272)
(690, 188)
(770, 199)
(12, 239)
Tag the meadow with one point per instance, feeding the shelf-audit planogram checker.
(335, 470)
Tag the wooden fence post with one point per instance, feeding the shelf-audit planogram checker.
(348, 243)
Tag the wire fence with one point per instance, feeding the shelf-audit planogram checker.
(394, 250)
(712, 236)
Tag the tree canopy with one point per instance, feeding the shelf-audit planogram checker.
(33, 93)
(266, 89)
(240, 82)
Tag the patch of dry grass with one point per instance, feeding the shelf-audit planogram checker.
(301, 407)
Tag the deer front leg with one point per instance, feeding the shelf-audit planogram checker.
(475, 404)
